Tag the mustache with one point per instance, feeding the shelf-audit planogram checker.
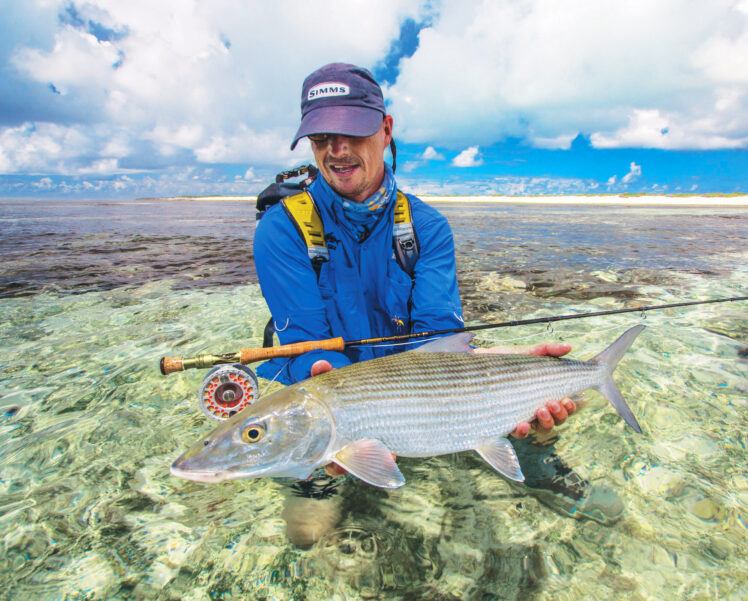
(344, 161)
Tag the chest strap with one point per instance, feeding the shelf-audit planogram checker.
(404, 240)
(304, 214)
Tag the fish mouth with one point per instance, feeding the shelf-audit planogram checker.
(181, 469)
(198, 475)
(192, 466)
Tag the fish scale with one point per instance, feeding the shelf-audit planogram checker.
(448, 400)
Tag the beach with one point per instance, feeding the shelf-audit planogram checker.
(711, 200)
(605, 199)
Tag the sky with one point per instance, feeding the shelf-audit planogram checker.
(111, 99)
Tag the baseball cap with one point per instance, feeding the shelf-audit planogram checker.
(340, 99)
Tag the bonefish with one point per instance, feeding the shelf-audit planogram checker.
(440, 398)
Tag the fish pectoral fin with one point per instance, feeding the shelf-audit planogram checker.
(369, 460)
(500, 455)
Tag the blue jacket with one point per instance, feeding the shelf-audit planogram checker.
(362, 292)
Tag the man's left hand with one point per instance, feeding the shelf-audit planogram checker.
(554, 413)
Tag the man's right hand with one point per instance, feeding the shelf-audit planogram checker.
(320, 367)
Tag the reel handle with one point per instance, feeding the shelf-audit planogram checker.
(169, 365)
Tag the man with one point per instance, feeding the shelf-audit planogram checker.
(361, 290)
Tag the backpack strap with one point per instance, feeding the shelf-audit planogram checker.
(404, 239)
(303, 213)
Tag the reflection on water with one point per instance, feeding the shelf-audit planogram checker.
(88, 427)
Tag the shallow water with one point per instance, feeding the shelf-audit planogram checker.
(93, 294)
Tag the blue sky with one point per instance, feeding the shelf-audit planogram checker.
(166, 97)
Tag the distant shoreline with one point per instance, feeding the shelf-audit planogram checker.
(714, 200)
(705, 200)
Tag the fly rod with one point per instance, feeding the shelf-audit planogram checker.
(245, 356)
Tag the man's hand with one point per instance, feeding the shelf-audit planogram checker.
(554, 412)
(320, 367)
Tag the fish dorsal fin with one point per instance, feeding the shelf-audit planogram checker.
(499, 454)
(456, 343)
(372, 462)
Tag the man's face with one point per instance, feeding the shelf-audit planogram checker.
(353, 166)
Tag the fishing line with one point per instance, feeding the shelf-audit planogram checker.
(547, 320)
(275, 377)
(664, 320)
(570, 333)
(407, 342)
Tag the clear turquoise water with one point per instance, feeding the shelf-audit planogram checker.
(93, 294)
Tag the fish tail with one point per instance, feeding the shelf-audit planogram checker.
(612, 355)
(608, 388)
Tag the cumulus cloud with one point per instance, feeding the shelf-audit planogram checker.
(562, 142)
(44, 183)
(245, 144)
(41, 148)
(653, 129)
(634, 172)
(468, 158)
(509, 186)
(430, 154)
(544, 71)
(98, 89)
(171, 181)
(173, 82)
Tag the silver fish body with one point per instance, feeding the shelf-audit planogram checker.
(439, 399)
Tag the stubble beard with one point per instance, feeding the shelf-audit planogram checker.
(348, 194)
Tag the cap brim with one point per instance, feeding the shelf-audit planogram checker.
(345, 120)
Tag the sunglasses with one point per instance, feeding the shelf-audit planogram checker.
(319, 138)
(324, 138)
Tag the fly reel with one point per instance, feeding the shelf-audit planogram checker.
(226, 390)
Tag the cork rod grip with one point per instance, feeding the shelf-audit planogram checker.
(250, 355)
(169, 365)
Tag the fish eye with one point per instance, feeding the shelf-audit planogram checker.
(253, 433)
